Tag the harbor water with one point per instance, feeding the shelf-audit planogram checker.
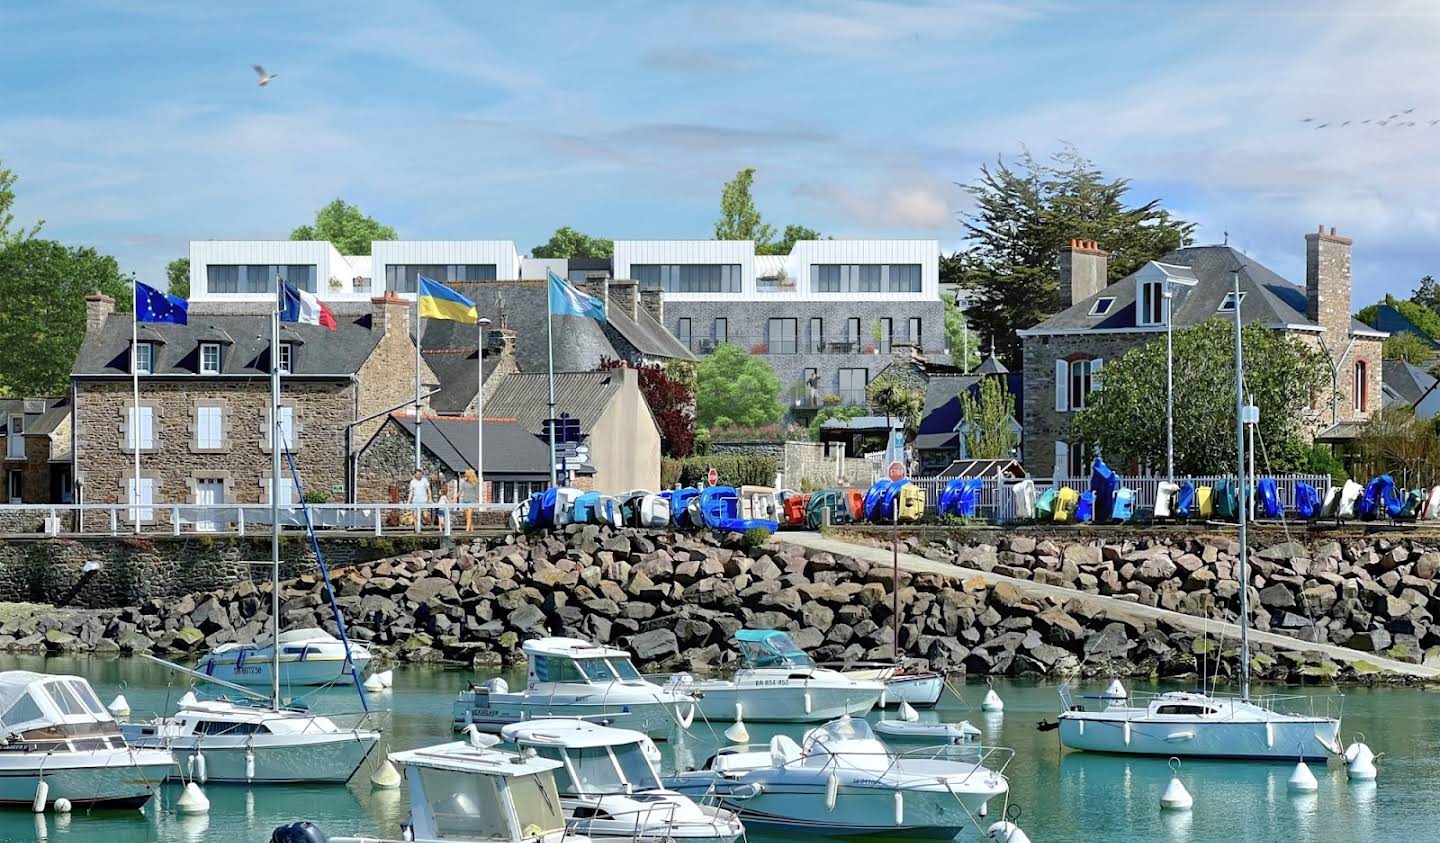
(1059, 796)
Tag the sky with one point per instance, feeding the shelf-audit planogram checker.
(135, 127)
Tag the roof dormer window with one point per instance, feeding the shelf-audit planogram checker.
(144, 363)
(1102, 306)
(287, 357)
(210, 358)
(1151, 303)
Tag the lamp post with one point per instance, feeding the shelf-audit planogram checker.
(480, 324)
(1169, 386)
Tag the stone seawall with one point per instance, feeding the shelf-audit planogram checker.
(675, 599)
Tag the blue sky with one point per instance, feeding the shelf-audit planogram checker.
(137, 126)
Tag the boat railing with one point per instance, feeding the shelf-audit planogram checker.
(983, 756)
(1329, 706)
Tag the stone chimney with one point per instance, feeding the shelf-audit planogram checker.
(654, 303)
(500, 342)
(905, 352)
(1082, 272)
(390, 313)
(625, 295)
(597, 286)
(97, 307)
(1327, 282)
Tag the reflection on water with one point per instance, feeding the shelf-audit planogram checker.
(1062, 795)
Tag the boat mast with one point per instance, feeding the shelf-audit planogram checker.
(276, 442)
(1243, 492)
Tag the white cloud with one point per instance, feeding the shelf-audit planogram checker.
(912, 206)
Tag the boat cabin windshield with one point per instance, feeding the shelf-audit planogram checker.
(844, 729)
(596, 669)
(768, 648)
(598, 770)
(39, 707)
(468, 806)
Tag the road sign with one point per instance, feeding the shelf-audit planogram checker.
(566, 428)
(712, 477)
(896, 471)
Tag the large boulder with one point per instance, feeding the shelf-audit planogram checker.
(654, 645)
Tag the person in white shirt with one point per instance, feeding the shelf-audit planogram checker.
(419, 491)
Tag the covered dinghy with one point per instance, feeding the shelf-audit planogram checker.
(720, 510)
(1124, 508)
(565, 498)
(1267, 493)
(1185, 500)
(519, 516)
(1104, 484)
(542, 509)
(1165, 494)
(1022, 495)
(759, 502)
(960, 497)
(1085, 509)
(1307, 501)
(584, 510)
(1381, 499)
(874, 496)
(680, 501)
(831, 499)
(1349, 496)
(909, 503)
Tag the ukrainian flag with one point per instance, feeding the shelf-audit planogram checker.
(440, 302)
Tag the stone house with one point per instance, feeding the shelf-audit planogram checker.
(203, 424)
(1065, 354)
(35, 448)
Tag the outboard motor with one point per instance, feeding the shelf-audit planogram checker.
(300, 832)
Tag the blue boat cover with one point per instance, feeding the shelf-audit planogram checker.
(1124, 508)
(584, 510)
(885, 509)
(533, 519)
(1104, 484)
(720, 507)
(1380, 498)
(1269, 496)
(1085, 509)
(961, 497)
(680, 506)
(1307, 500)
(873, 498)
(950, 497)
(1184, 500)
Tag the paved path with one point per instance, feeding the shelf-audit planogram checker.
(1113, 606)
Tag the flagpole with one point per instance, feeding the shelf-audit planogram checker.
(418, 323)
(276, 442)
(550, 351)
(480, 325)
(137, 424)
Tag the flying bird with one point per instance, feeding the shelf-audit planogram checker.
(264, 77)
(1408, 110)
(1346, 123)
(1322, 125)
(1366, 120)
(1307, 119)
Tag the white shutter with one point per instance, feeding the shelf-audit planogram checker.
(145, 428)
(209, 427)
(1062, 459)
(1062, 386)
(1095, 373)
(287, 427)
(146, 498)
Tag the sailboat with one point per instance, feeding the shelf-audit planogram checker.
(256, 740)
(1199, 724)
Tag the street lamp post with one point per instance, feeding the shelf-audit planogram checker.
(1169, 385)
(481, 324)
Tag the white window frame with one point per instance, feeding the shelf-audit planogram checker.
(287, 358)
(287, 493)
(1067, 396)
(209, 428)
(205, 349)
(15, 437)
(149, 366)
(1150, 296)
(1097, 310)
(145, 429)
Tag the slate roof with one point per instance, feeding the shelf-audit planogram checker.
(524, 396)
(319, 351)
(455, 370)
(991, 366)
(1267, 297)
(580, 343)
(510, 449)
(1406, 381)
(42, 415)
(649, 337)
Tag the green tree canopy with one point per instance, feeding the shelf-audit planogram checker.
(1427, 293)
(1408, 347)
(43, 285)
(736, 389)
(177, 273)
(345, 226)
(963, 343)
(1025, 212)
(741, 220)
(1419, 315)
(1394, 441)
(792, 235)
(833, 411)
(1126, 417)
(566, 242)
(7, 219)
(988, 418)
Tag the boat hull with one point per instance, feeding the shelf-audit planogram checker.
(324, 758)
(118, 778)
(655, 719)
(784, 703)
(1280, 739)
(257, 670)
(656, 831)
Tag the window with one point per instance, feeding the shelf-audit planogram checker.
(287, 357)
(781, 335)
(865, 277)
(904, 278)
(145, 500)
(515, 491)
(1227, 304)
(852, 386)
(1101, 306)
(722, 330)
(852, 334)
(257, 278)
(682, 332)
(220, 727)
(14, 486)
(557, 669)
(144, 358)
(817, 335)
(1189, 710)
(1080, 383)
(404, 278)
(210, 358)
(688, 277)
(15, 442)
(1074, 381)
(887, 334)
(146, 428)
(209, 428)
(1152, 304)
(1362, 387)
(287, 427)
(287, 490)
(912, 330)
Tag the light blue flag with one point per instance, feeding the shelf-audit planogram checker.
(565, 300)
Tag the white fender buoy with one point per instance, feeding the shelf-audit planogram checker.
(42, 795)
(1006, 832)
(1359, 763)
(908, 712)
(62, 806)
(192, 800)
(1126, 729)
(374, 684)
(899, 808)
(1269, 735)
(1115, 691)
(737, 733)
(200, 767)
(387, 677)
(992, 702)
(1176, 797)
(119, 707)
(832, 791)
(385, 776)
(249, 764)
(808, 704)
(1302, 780)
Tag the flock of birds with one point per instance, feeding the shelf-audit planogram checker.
(1398, 120)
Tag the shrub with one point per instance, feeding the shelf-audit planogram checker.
(315, 496)
(756, 537)
(733, 471)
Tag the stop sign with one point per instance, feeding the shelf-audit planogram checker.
(896, 472)
(712, 477)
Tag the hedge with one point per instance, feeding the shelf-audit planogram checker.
(733, 471)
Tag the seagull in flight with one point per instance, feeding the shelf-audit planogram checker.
(1307, 119)
(264, 77)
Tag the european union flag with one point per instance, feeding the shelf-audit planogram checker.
(151, 305)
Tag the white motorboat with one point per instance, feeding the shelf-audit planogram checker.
(470, 792)
(843, 781)
(61, 743)
(917, 733)
(307, 657)
(568, 677)
(253, 743)
(919, 688)
(610, 788)
(780, 683)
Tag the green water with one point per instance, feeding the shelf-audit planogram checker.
(1063, 796)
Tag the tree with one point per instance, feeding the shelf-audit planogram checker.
(1408, 347)
(1394, 441)
(963, 343)
(7, 198)
(1026, 213)
(178, 274)
(833, 411)
(43, 285)
(988, 420)
(345, 226)
(1427, 294)
(739, 218)
(671, 403)
(567, 243)
(1283, 376)
(897, 401)
(788, 239)
(736, 389)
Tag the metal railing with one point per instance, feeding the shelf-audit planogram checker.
(118, 519)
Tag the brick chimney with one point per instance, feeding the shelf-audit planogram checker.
(1327, 282)
(97, 307)
(654, 303)
(390, 313)
(1082, 272)
(625, 295)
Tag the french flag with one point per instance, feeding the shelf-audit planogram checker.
(300, 306)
